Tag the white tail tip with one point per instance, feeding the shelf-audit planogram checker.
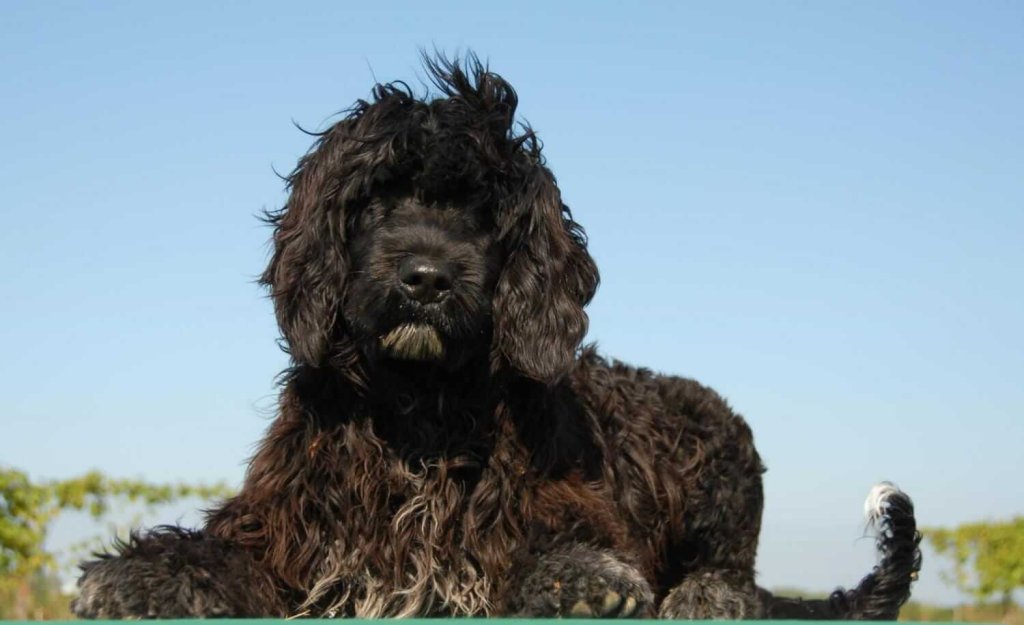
(878, 500)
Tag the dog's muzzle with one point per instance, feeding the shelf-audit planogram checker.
(413, 341)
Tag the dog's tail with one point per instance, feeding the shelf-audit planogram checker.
(879, 595)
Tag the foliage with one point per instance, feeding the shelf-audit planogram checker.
(977, 613)
(37, 597)
(27, 508)
(988, 558)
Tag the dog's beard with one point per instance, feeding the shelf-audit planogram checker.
(413, 341)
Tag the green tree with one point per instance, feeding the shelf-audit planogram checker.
(27, 508)
(988, 558)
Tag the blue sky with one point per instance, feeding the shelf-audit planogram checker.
(815, 208)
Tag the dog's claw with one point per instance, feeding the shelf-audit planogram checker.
(580, 608)
(611, 601)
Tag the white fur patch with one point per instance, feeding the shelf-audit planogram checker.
(877, 502)
(413, 341)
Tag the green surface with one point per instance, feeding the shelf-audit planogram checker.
(468, 621)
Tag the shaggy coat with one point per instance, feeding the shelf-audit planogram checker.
(444, 447)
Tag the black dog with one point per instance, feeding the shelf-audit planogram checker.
(443, 446)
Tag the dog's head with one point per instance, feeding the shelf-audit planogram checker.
(431, 231)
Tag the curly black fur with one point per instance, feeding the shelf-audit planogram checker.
(443, 446)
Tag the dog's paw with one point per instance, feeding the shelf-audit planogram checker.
(712, 595)
(584, 583)
(174, 573)
(103, 595)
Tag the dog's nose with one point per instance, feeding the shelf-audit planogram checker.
(426, 280)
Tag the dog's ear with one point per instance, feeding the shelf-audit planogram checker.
(547, 279)
(309, 267)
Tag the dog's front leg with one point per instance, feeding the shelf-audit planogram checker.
(577, 580)
(175, 573)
